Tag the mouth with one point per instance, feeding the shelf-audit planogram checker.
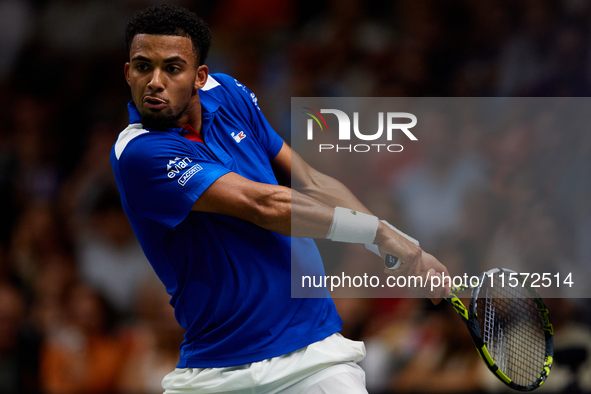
(154, 102)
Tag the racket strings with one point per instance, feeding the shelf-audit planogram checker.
(512, 330)
(494, 337)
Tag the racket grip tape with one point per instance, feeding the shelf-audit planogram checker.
(392, 262)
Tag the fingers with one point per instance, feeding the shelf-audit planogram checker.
(436, 291)
(440, 287)
(444, 290)
(435, 283)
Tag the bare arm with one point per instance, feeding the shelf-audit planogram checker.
(333, 193)
(305, 214)
(313, 183)
(275, 208)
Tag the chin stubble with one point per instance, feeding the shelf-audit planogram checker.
(162, 121)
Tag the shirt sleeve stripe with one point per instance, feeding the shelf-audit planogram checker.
(210, 84)
(132, 131)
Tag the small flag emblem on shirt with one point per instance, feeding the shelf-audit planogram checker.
(238, 137)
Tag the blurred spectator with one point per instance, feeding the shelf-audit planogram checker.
(56, 275)
(37, 175)
(447, 358)
(19, 344)
(481, 215)
(82, 356)
(109, 254)
(155, 342)
(491, 25)
(392, 341)
(38, 236)
(529, 238)
(527, 57)
(431, 193)
(63, 104)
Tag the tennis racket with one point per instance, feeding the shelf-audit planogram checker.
(510, 327)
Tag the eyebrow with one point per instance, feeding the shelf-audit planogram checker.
(174, 59)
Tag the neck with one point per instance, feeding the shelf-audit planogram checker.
(193, 115)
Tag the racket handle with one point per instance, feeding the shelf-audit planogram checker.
(392, 262)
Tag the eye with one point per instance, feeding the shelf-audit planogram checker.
(142, 67)
(173, 69)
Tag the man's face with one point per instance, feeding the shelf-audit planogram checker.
(162, 75)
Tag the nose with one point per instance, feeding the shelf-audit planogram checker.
(156, 82)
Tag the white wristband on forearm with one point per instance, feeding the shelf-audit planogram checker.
(374, 248)
(353, 226)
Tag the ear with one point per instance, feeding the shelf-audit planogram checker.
(200, 77)
(126, 70)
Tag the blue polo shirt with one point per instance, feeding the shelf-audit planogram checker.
(229, 280)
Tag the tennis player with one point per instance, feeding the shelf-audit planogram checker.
(195, 170)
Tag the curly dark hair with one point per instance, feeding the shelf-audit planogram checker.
(171, 20)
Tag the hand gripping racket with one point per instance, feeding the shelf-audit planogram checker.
(510, 327)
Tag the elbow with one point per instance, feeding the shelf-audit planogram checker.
(272, 210)
(314, 182)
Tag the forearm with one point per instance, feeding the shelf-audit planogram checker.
(302, 215)
(326, 189)
(333, 193)
(312, 183)
(310, 218)
(273, 207)
(312, 214)
(289, 212)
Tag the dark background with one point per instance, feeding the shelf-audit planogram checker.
(79, 313)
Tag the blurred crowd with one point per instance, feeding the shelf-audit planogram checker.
(80, 308)
(494, 182)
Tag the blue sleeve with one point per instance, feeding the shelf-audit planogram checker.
(268, 137)
(163, 177)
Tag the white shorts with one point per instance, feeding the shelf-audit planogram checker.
(327, 366)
